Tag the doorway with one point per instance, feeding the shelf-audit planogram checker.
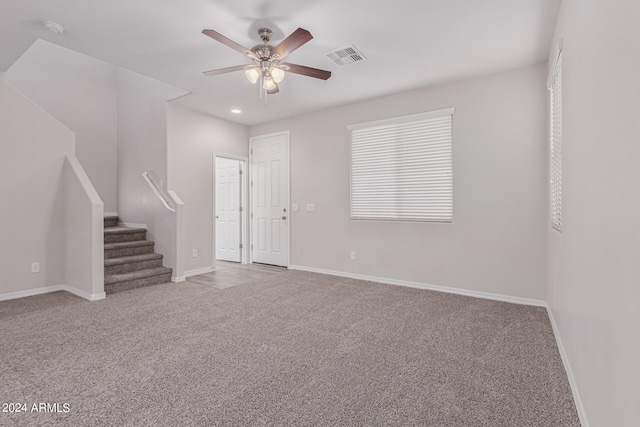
(229, 217)
(270, 216)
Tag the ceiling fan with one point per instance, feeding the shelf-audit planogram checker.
(268, 66)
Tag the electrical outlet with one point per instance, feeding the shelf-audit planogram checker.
(294, 207)
(353, 255)
(35, 267)
(195, 253)
(311, 207)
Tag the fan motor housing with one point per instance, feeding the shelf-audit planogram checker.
(262, 51)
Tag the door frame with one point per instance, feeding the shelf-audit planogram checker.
(244, 202)
(287, 133)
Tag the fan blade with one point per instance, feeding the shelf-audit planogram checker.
(228, 42)
(308, 71)
(291, 43)
(274, 90)
(224, 70)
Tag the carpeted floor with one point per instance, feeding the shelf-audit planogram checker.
(294, 349)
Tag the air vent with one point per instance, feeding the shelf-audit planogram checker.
(346, 55)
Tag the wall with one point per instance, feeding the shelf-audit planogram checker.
(193, 137)
(496, 243)
(594, 265)
(81, 92)
(142, 146)
(84, 233)
(33, 147)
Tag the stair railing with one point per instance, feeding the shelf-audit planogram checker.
(164, 197)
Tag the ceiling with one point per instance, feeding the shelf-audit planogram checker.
(408, 44)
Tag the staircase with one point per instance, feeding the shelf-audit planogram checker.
(129, 259)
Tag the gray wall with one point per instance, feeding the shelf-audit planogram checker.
(142, 147)
(594, 265)
(81, 92)
(497, 241)
(192, 139)
(32, 154)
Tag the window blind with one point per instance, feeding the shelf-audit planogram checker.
(401, 168)
(555, 136)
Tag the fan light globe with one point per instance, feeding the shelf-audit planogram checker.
(277, 74)
(252, 74)
(268, 83)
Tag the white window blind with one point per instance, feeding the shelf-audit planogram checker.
(401, 168)
(555, 137)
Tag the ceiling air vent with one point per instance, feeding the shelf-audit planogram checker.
(346, 55)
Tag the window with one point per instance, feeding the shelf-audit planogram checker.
(555, 141)
(401, 168)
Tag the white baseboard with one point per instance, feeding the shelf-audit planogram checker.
(110, 213)
(178, 279)
(132, 224)
(567, 367)
(199, 271)
(458, 291)
(83, 294)
(30, 292)
(49, 289)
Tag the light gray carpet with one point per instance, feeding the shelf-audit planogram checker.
(295, 349)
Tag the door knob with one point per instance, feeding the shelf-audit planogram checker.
(216, 216)
(284, 217)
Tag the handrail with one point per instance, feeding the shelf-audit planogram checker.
(164, 197)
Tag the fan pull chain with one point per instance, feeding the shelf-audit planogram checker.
(263, 90)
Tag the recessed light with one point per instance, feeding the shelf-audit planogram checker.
(53, 27)
(236, 111)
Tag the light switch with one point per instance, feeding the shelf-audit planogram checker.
(294, 207)
(311, 207)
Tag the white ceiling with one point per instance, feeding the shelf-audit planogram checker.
(408, 44)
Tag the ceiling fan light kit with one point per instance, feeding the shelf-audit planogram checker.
(268, 83)
(252, 73)
(268, 67)
(277, 74)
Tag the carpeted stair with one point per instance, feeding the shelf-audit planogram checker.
(129, 259)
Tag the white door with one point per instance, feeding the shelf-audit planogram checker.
(227, 215)
(270, 199)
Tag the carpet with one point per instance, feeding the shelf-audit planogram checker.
(296, 349)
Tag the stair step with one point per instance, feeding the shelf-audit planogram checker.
(116, 278)
(110, 221)
(124, 249)
(124, 234)
(136, 279)
(129, 259)
(128, 264)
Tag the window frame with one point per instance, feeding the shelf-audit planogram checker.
(554, 85)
